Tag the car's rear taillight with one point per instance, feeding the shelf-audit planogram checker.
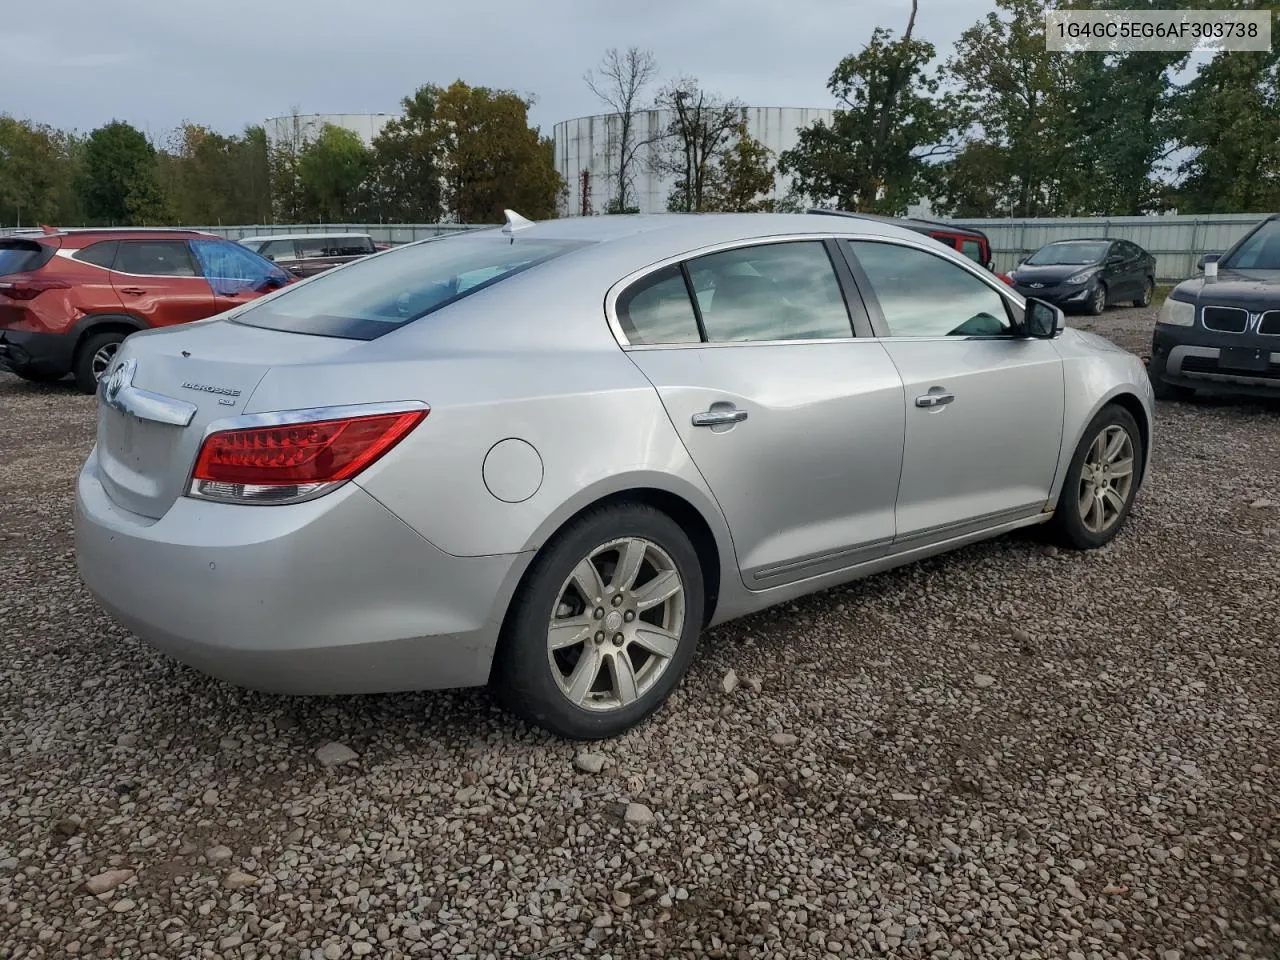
(288, 462)
(20, 286)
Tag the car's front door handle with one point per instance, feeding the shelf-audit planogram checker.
(136, 291)
(935, 399)
(720, 417)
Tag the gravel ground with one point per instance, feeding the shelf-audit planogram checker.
(1008, 751)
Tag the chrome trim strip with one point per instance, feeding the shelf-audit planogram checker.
(616, 290)
(284, 418)
(116, 390)
(1213, 306)
(960, 528)
(849, 556)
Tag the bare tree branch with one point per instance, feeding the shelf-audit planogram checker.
(619, 81)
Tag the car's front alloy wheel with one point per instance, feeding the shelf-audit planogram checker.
(604, 624)
(1105, 471)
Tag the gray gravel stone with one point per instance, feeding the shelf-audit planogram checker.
(334, 754)
(1133, 748)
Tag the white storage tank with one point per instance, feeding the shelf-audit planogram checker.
(591, 144)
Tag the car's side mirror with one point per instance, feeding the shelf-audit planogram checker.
(1208, 258)
(1042, 320)
(991, 265)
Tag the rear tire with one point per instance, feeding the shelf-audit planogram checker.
(1098, 494)
(1148, 291)
(591, 667)
(94, 357)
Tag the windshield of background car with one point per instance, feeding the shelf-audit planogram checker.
(1064, 254)
(1261, 251)
(369, 298)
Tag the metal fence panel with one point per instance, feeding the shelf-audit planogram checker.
(1176, 241)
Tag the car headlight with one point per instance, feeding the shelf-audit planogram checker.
(1082, 277)
(1178, 313)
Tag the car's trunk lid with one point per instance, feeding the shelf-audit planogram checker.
(173, 384)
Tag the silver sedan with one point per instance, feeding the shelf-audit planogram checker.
(547, 456)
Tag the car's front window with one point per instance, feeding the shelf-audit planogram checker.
(922, 295)
(372, 297)
(1261, 251)
(1068, 254)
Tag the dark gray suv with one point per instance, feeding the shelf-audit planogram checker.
(1220, 332)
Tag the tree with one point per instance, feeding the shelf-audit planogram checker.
(742, 177)
(407, 162)
(493, 159)
(37, 171)
(211, 178)
(1015, 100)
(119, 183)
(701, 125)
(331, 171)
(874, 155)
(619, 81)
(1228, 119)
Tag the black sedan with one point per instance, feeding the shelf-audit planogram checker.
(1220, 332)
(1091, 274)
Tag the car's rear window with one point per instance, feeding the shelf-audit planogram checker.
(372, 297)
(20, 256)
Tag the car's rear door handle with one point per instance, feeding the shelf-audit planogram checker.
(136, 291)
(719, 417)
(935, 399)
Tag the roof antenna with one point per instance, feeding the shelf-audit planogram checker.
(515, 222)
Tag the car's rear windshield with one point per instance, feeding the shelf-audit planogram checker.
(1075, 252)
(19, 256)
(372, 297)
(1260, 251)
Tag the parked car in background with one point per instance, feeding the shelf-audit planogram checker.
(1220, 333)
(306, 254)
(1087, 274)
(972, 243)
(68, 298)
(775, 404)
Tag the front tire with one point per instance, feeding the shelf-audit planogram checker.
(1101, 482)
(1098, 301)
(604, 625)
(94, 357)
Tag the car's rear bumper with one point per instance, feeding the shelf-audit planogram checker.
(1197, 358)
(24, 351)
(332, 596)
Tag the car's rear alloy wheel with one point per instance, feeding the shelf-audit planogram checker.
(604, 625)
(1148, 291)
(616, 624)
(1101, 482)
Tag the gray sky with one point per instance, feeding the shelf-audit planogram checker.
(79, 63)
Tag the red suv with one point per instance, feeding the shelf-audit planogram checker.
(69, 297)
